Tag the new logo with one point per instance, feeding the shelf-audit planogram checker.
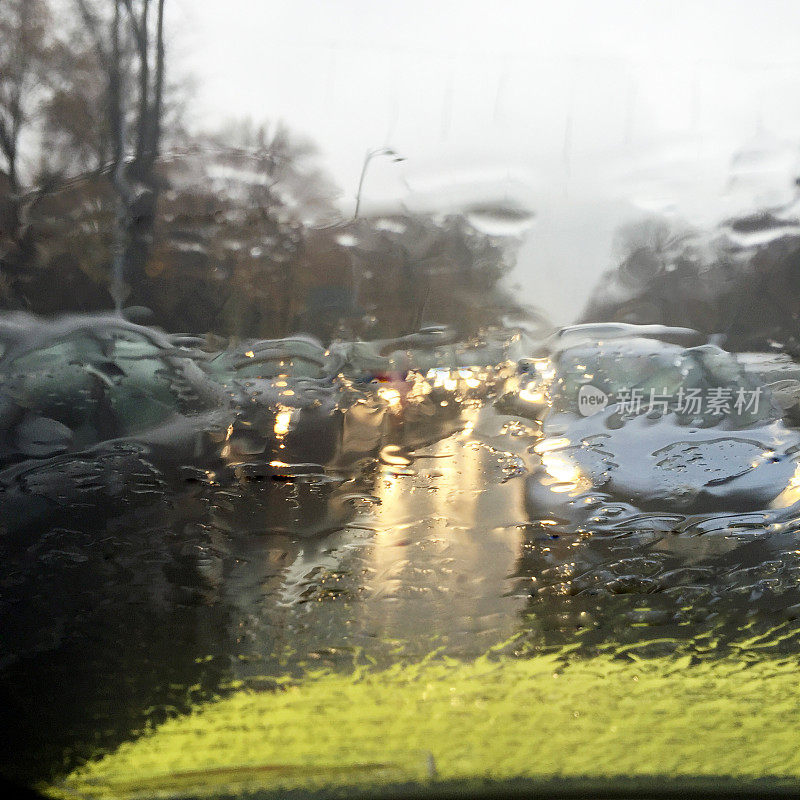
(591, 400)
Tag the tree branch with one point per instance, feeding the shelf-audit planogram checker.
(93, 27)
(139, 31)
(158, 97)
(141, 34)
(6, 144)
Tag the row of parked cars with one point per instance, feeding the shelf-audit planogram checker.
(100, 390)
(619, 434)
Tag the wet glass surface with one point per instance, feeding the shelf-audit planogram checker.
(156, 558)
(400, 399)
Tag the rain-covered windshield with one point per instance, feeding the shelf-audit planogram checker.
(399, 399)
(701, 384)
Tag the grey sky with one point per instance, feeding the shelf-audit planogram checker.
(597, 108)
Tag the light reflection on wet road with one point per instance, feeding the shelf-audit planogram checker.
(428, 561)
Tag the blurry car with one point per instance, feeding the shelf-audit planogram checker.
(99, 415)
(636, 423)
(290, 409)
(298, 356)
(74, 383)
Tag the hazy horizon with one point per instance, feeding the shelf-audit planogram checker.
(600, 110)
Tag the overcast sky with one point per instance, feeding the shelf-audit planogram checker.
(596, 108)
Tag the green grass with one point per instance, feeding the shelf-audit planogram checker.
(497, 718)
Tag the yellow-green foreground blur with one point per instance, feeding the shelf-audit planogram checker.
(495, 718)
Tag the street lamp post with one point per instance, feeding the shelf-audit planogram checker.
(380, 151)
(370, 154)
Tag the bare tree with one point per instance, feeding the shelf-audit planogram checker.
(75, 134)
(127, 37)
(649, 245)
(24, 50)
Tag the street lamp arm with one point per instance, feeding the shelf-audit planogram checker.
(380, 151)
